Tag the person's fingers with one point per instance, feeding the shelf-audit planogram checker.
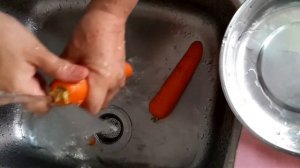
(35, 105)
(123, 82)
(115, 87)
(39, 107)
(59, 68)
(111, 94)
(31, 87)
(97, 94)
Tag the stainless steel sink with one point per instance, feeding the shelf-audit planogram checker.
(201, 132)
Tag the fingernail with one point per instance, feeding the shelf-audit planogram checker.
(38, 92)
(94, 110)
(79, 71)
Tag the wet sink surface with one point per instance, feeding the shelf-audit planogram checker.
(196, 134)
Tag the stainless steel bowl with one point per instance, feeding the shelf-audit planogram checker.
(259, 71)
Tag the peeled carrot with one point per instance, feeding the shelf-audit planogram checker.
(64, 93)
(169, 94)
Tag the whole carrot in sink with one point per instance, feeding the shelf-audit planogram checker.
(64, 93)
(169, 94)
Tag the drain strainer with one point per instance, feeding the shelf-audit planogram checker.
(111, 136)
(114, 140)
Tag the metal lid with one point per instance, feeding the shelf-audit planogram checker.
(260, 70)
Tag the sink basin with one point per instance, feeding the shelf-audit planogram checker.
(199, 132)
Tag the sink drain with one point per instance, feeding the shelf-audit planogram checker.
(113, 140)
(111, 136)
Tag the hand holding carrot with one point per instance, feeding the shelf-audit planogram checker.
(98, 43)
(22, 54)
(65, 93)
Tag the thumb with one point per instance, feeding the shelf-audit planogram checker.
(60, 69)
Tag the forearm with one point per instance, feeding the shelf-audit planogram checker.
(118, 8)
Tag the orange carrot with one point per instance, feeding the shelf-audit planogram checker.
(64, 93)
(169, 94)
(92, 141)
(128, 70)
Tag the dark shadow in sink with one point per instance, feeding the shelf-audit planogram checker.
(221, 135)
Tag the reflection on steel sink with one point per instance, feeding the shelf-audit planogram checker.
(196, 134)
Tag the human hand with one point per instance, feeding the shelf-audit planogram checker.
(98, 43)
(21, 55)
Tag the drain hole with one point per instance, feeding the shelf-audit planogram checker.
(111, 136)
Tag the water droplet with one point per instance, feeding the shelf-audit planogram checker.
(257, 83)
(119, 48)
(202, 136)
